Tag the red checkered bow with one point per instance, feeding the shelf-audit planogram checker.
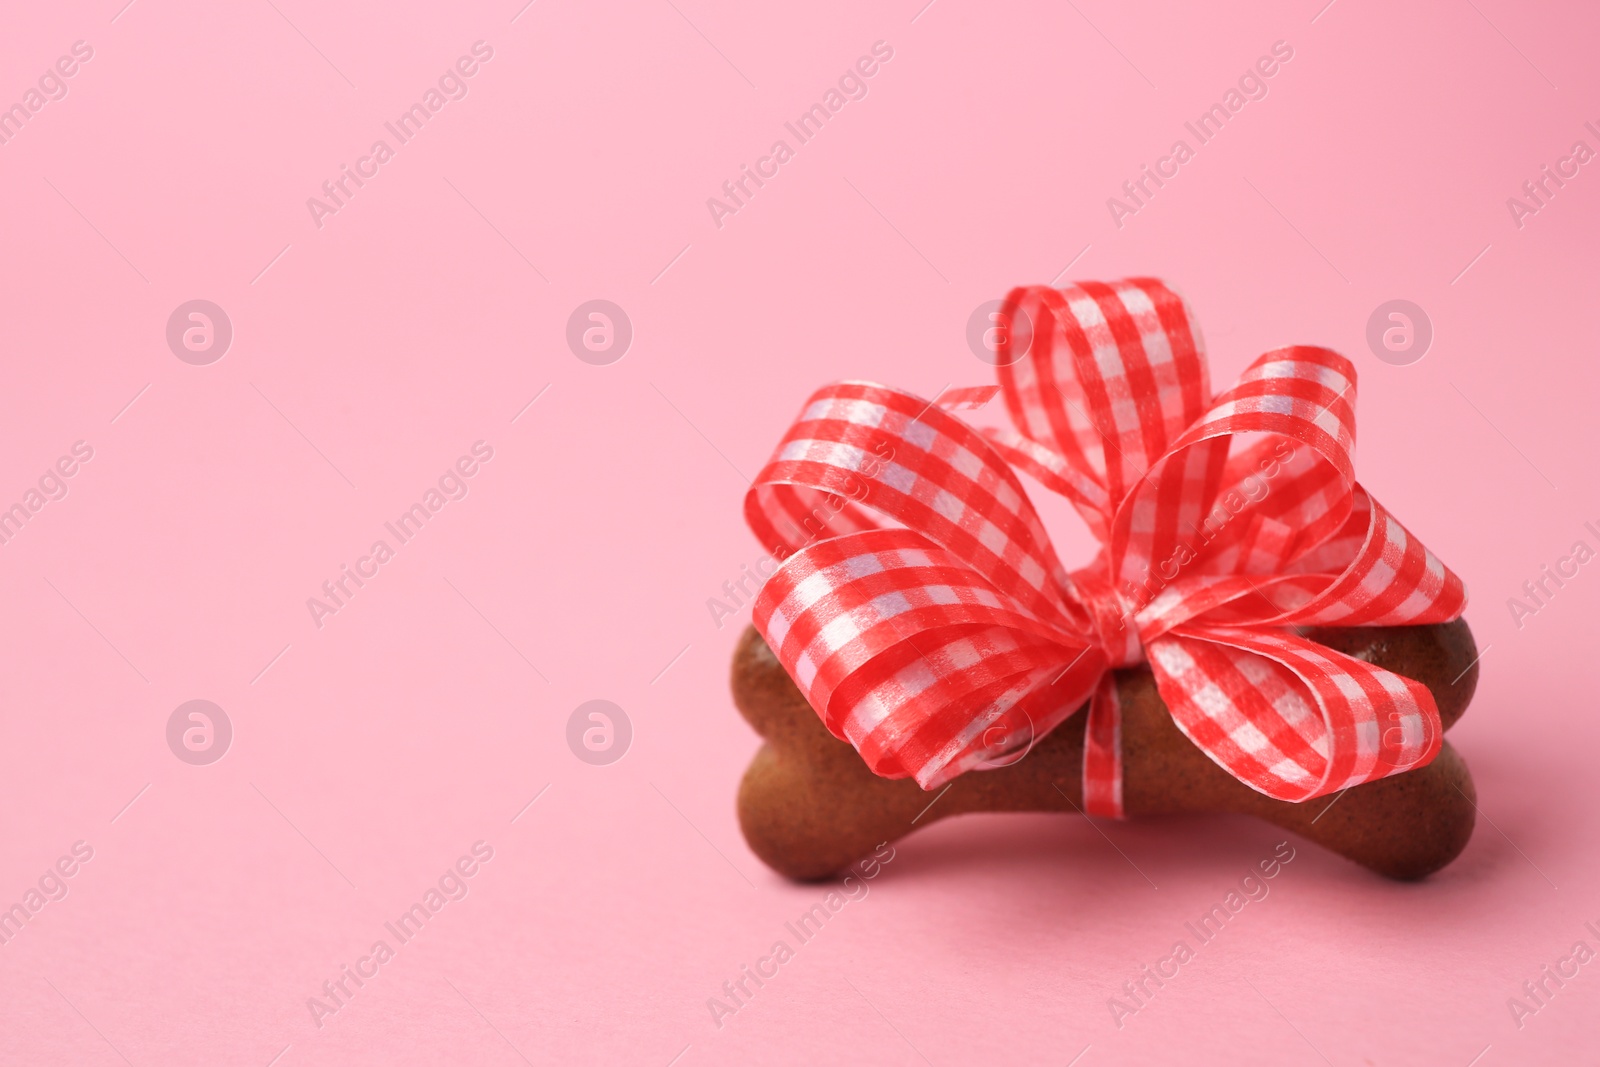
(953, 638)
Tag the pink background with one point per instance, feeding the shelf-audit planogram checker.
(370, 753)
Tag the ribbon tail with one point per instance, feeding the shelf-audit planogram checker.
(1102, 752)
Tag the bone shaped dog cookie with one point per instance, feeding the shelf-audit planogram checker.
(809, 806)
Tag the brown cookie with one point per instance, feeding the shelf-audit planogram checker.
(809, 806)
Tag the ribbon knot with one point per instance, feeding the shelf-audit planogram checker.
(1116, 618)
(952, 637)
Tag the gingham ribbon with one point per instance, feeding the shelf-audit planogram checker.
(953, 637)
